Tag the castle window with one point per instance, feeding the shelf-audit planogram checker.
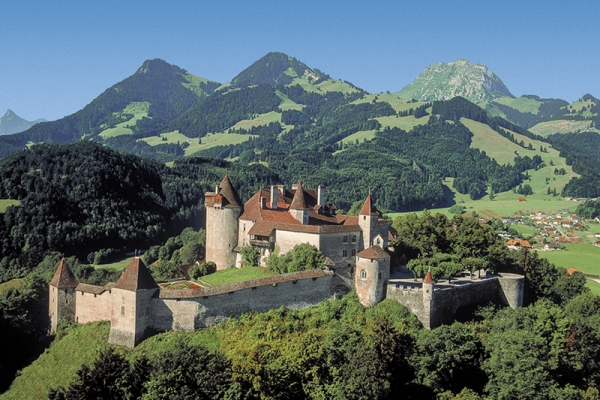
(244, 227)
(379, 275)
(363, 274)
(344, 253)
(345, 239)
(364, 217)
(122, 310)
(378, 241)
(353, 238)
(353, 252)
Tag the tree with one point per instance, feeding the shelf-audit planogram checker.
(302, 257)
(250, 256)
(189, 372)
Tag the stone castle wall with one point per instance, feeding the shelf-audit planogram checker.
(447, 300)
(293, 291)
(92, 307)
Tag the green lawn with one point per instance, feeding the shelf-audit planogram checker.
(525, 229)
(584, 257)
(594, 286)
(233, 275)
(5, 203)
(12, 284)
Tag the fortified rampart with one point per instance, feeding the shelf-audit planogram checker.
(448, 299)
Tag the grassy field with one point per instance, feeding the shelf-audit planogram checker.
(138, 109)
(119, 265)
(211, 140)
(5, 203)
(287, 104)
(593, 286)
(561, 126)
(584, 257)
(58, 364)
(12, 284)
(233, 275)
(523, 104)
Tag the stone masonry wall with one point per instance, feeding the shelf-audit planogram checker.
(187, 314)
(92, 307)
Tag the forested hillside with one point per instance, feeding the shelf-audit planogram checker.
(85, 199)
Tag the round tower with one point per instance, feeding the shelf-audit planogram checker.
(372, 275)
(223, 209)
(428, 301)
(368, 220)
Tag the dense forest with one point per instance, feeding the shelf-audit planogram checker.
(87, 200)
(581, 151)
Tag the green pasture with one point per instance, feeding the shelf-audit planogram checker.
(12, 284)
(561, 126)
(119, 265)
(523, 104)
(525, 230)
(196, 144)
(578, 106)
(194, 83)
(593, 286)
(139, 111)
(233, 275)
(57, 366)
(287, 104)
(396, 103)
(261, 119)
(5, 203)
(581, 256)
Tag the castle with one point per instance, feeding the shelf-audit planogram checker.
(356, 258)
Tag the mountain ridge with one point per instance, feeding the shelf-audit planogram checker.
(11, 123)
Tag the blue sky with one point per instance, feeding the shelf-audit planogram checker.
(57, 56)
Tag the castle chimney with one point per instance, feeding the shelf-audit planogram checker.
(274, 197)
(217, 189)
(263, 202)
(321, 196)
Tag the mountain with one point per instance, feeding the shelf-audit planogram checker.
(474, 82)
(276, 68)
(141, 104)
(12, 123)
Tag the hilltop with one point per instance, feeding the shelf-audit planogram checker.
(12, 123)
(474, 82)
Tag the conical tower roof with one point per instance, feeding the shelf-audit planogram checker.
(136, 277)
(428, 278)
(63, 277)
(298, 202)
(229, 194)
(369, 207)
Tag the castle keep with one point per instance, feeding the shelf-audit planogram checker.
(356, 258)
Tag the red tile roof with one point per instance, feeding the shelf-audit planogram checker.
(63, 277)
(136, 277)
(298, 202)
(428, 278)
(369, 208)
(373, 252)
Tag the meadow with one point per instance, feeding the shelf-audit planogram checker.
(584, 257)
(233, 275)
(5, 203)
(139, 110)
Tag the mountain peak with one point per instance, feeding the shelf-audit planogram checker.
(9, 113)
(11, 123)
(274, 68)
(474, 82)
